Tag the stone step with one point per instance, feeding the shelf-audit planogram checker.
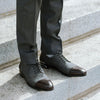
(84, 52)
(77, 21)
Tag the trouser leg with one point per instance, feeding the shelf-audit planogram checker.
(27, 15)
(51, 19)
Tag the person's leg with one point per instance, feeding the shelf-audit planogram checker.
(51, 18)
(30, 69)
(51, 46)
(27, 14)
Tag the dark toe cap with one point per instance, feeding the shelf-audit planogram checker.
(45, 85)
(77, 71)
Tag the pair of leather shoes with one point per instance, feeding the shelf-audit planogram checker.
(34, 74)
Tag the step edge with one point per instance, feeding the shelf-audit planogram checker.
(9, 13)
(85, 93)
(82, 36)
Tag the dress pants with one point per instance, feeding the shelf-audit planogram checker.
(50, 22)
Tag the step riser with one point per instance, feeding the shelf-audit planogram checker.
(81, 25)
(69, 29)
(8, 52)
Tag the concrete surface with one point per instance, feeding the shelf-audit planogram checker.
(13, 87)
(95, 95)
(75, 22)
(79, 5)
(78, 8)
(84, 53)
(7, 5)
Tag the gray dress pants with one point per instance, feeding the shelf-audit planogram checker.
(50, 22)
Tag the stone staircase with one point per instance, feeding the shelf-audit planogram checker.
(80, 33)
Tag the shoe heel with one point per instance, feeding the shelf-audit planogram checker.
(44, 65)
(21, 74)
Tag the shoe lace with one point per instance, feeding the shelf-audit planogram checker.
(37, 68)
(62, 58)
